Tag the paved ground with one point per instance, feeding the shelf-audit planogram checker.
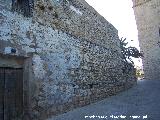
(141, 100)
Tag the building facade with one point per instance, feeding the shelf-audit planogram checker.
(56, 55)
(147, 13)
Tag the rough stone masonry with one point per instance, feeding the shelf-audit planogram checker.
(71, 55)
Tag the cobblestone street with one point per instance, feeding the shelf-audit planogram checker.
(143, 100)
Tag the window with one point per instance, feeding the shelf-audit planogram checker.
(23, 6)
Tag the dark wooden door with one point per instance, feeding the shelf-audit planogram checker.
(11, 93)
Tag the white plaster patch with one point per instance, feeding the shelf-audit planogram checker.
(27, 49)
(7, 50)
(76, 10)
(38, 67)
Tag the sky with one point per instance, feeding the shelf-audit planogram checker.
(121, 15)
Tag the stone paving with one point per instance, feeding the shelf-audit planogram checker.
(143, 101)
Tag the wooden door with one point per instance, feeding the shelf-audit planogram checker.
(11, 91)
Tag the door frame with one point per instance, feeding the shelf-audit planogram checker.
(26, 64)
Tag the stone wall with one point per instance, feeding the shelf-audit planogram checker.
(148, 22)
(74, 54)
(77, 18)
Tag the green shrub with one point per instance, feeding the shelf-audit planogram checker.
(129, 52)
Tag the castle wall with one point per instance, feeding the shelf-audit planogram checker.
(66, 67)
(147, 13)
